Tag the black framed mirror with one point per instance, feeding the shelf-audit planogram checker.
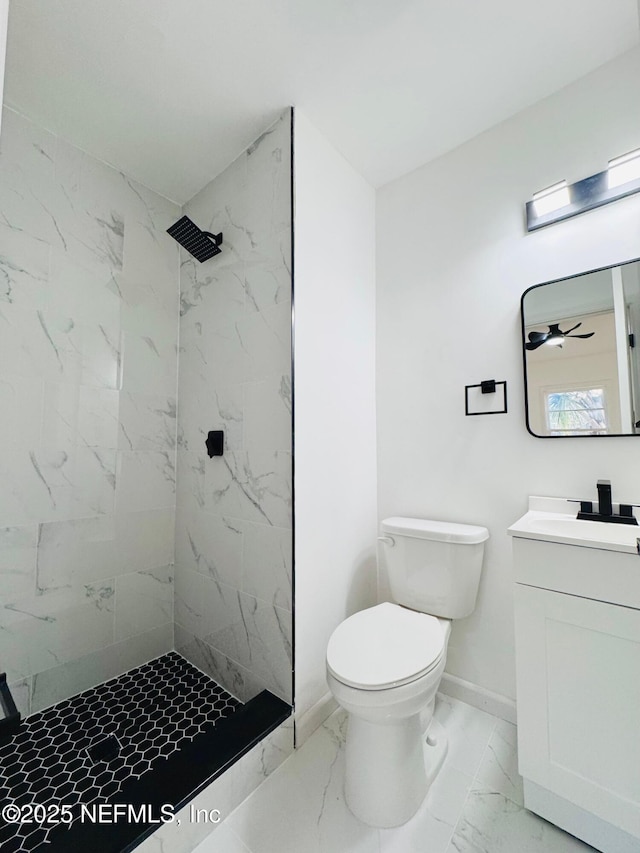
(581, 353)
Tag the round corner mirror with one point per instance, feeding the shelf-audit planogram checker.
(582, 355)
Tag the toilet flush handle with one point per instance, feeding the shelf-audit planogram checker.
(388, 540)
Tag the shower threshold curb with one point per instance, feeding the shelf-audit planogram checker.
(175, 781)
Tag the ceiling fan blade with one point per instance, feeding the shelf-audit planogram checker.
(535, 344)
(588, 335)
(535, 337)
(572, 329)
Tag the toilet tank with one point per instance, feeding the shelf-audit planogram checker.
(434, 566)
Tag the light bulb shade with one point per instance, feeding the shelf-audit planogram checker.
(552, 198)
(624, 169)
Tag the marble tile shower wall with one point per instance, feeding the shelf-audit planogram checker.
(234, 513)
(88, 362)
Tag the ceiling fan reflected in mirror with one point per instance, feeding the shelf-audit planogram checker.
(554, 337)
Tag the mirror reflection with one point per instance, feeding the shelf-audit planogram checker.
(581, 361)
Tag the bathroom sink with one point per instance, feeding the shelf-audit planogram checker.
(548, 520)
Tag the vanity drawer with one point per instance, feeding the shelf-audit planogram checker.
(610, 576)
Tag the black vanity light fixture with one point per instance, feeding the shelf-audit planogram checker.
(562, 200)
(201, 244)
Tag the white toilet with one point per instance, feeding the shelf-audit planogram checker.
(384, 665)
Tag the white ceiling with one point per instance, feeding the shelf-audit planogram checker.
(170, 91)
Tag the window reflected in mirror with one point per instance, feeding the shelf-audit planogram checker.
(577, 412)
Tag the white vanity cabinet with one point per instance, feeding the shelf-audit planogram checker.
(577, 628)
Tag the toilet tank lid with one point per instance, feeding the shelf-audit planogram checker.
(441, 531)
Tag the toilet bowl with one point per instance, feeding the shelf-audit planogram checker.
(384, 666)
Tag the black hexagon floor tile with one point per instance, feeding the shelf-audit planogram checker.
(152, 711)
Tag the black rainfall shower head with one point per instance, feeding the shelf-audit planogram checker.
(201, 244)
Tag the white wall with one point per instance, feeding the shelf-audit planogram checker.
(334, 402)
(453, 261)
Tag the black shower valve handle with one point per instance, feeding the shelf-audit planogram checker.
(215, 443)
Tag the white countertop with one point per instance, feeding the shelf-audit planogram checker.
(554, 520)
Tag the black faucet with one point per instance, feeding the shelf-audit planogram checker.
(605, 508)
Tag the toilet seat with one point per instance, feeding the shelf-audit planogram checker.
(385, 646)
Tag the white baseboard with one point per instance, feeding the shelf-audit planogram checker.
(306, 724)
(479, 697)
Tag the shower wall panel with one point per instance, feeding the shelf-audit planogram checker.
(88, 361)
(234, 513)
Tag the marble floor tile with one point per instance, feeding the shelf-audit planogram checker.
(492, 823)
(317, 817)
(224, 840)
(499, 769)
(431, 828)
(422, 834)
(468, 729)
(474, 804)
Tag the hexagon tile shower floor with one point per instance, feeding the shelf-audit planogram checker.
(84, 749)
